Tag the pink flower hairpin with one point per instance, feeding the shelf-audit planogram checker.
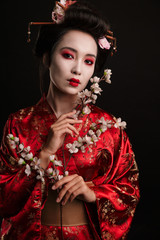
(103, 43)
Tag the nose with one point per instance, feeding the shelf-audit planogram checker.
(76, 69)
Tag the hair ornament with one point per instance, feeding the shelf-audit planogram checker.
(103, 43)
(57, 15)
(59, 10)
(106, 42)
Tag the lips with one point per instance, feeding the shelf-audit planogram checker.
(74, 82)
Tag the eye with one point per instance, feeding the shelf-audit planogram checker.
(67, 55)
(89, 61)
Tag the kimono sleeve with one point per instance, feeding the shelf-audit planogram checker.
(15, 185)
(117, 192)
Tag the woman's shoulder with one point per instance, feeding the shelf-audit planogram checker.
(37, 109)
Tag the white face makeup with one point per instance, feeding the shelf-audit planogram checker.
(73, 62)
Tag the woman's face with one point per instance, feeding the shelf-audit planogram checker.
(73, 62)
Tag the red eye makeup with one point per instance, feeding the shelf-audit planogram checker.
(67, 54)
(89, 61)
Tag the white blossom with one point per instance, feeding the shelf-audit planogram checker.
(95, 79)
(87, 140)
(72, 148)
(93, 98)
(120, 123)
(35, 163)
(52, 158)
(105, 124)
(41, 175)
(28, 170)
(53, 173)
(107, 75)
(86, 110)
(81, 94)
(16, 139)
(55, 162)
(96, 89)
(87, 93)
(98, 132)
(69, 145)
(88, 101)
(102, 120)
(75, 116)
(60, 177)
(91, 133)
(50, 171)
(12, 143)
(23, 154)
(80, 142)
(94, 138)
(20, 147)
(21, 161)
(103, 128)
(66, 173)
(83, 149)
(10, 136)
(58, 163)
(27, 149)
(93, 126)
(29, 156)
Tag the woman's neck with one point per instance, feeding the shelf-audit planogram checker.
(60, 102)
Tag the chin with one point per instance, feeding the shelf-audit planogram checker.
(70, 91)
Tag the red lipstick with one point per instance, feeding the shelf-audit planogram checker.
(74, 82)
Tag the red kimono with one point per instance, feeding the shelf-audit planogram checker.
(110, 165)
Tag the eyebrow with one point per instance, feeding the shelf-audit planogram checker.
(74, 50)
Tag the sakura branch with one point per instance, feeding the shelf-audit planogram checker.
(33, 163)
(93, 135)
(87, 96)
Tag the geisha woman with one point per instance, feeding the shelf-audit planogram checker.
(67, 169)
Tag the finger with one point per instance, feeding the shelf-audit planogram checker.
(64, 121)
(70, 192)
(64, 131)
(66, 126)
(64, 180)
(63, 116)
(76, 193)
(61, 131)
(67, 188)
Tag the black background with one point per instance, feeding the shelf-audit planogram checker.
(133, 94)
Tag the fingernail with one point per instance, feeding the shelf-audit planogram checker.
(53, 187)
(57, 200)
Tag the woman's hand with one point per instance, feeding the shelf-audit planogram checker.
(58, 130)
(74, 186)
